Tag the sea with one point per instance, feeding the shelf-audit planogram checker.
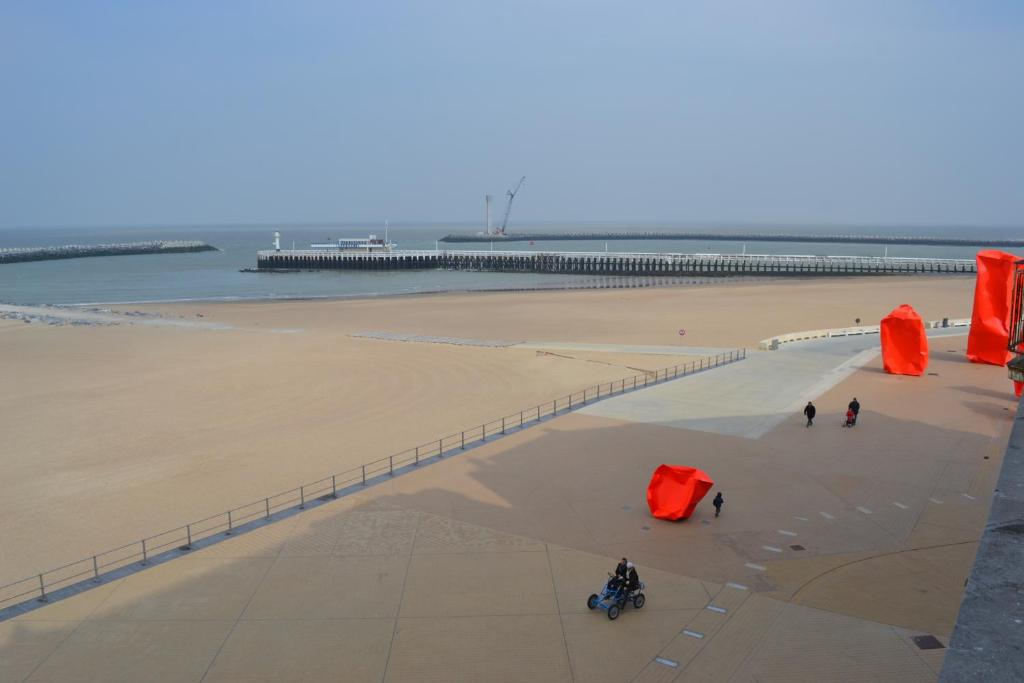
(217, 275)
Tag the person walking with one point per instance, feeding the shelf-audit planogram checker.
(810, 411)
(854, 407)
(717, 502)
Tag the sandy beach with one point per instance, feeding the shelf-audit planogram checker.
(115, 432)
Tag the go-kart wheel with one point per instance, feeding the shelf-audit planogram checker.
(638, 600)
(592, 601)
(613, 612)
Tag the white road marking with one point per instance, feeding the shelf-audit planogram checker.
(667, 662)
(864, 510)
(826, 515)
(693, 634)
(802, 519)
(758, 567)
(901, 506)
(968, 496)
(786, 533)
(936, 501)
(772, 549)
(716, 608)
(737, 586)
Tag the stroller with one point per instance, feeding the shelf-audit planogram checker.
(851, 419)
(615, 595)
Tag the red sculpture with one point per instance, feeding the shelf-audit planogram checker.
(675, 490)
(904, 343)
(990, 320)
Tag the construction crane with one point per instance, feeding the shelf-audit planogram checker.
(508, 207)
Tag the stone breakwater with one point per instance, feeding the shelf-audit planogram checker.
(914, 240)
(22, 254)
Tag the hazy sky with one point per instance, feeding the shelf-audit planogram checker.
(146, 112)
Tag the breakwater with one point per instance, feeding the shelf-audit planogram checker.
(597, 263)
(22, 254)
(733, 237)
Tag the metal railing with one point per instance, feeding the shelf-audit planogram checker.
(182, 538)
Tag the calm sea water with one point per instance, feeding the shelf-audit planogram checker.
(215, 275)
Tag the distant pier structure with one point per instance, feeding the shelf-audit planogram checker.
(735, 237)
(604, 263)
(21, 254)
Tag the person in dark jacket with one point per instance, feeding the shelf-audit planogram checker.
(717, 502)
(621, 575)
(633, 580)
(810, 412)
(855, 408)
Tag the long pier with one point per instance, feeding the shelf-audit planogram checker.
(598, 263)
(21, 254)
(733, 237)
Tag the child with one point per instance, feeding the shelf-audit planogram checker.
(851, 418)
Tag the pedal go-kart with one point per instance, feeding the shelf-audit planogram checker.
(614, 597)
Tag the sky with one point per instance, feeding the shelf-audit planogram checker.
(680, 111)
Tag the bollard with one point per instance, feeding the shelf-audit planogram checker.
(417, 461)
(520, 419)
(538, 413)
(302, 497)
(145, 557)
(188, 533)
(95, 570)
(463, 440)
(440, 448)
(391, 465)
(598, 391)
(334, 486)
(364, 475)
(228, 532)
(266, 502)
(502, 425)
(570, 401)
(42, 590)
(634, 381)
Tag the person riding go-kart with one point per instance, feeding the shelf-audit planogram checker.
(623, 586)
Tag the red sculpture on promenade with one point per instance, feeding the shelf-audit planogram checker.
(675, 490)
(904, 343)
(990, 320)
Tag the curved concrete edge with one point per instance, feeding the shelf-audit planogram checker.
(773, 343)
(988, 639)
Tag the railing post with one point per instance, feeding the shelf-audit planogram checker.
(483, 432)
(266, 504)
(391, 465)
(538, 412)
(228, 532)
(520, 419)
(302, 497)
(188, 531)
(570, 401)
(463, 440)
(364, 475)
(95, 570)
(417, 456)
(440, 448)
(334, 486)
(502, 425)
(42, 590)
(145, 556)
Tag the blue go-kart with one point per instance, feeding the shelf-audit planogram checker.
(614, 596)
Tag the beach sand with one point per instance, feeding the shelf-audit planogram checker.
(113, 433)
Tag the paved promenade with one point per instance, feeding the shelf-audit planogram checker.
(837, 554)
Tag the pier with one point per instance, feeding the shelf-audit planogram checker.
(22, 254)
(734, 237)
(603, 263)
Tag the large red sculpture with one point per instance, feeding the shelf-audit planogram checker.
(675, 490)
(904, 343)
(990, 320)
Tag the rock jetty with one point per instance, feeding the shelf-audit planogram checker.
(21, 254)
